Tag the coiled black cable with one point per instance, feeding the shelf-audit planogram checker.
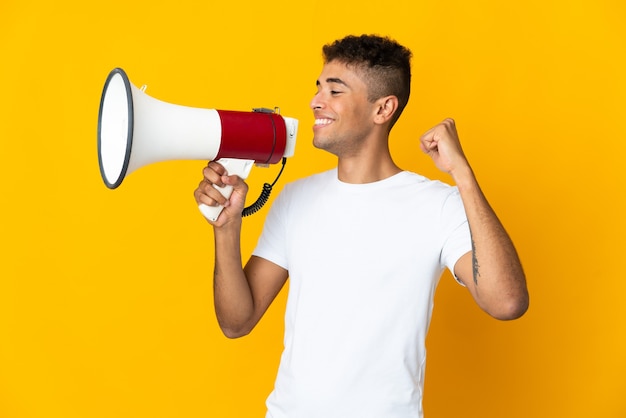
(265, 194)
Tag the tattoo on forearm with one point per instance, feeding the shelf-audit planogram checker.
(475, 266)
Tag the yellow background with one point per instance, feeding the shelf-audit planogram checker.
(105, 296)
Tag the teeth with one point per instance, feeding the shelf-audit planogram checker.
(322, 121)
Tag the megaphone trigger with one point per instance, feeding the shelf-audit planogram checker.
(233, 166)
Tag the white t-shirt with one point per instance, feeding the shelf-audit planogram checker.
(364, 261)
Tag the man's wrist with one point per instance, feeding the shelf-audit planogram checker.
(463, 177)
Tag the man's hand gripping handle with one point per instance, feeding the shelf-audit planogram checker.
(233, 166)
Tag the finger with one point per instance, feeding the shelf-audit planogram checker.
(431, 150)
(427, 136)
(208, 194)
(212, 176)
(240, 188)
(202, 197)
(450, 126)
(449, 121)
(217, 167)
(428, 141)
(233, 180)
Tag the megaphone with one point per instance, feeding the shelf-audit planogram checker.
(135, 130)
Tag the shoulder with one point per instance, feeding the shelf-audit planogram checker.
(425, 185)
(314, 181)
(318, 178)
(420, 196)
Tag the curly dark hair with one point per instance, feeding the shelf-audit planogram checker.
(384, 63)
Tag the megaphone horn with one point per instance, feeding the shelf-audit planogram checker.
(135, 130)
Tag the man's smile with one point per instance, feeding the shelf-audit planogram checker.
(322, 122)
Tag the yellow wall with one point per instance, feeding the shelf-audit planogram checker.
(105, 296)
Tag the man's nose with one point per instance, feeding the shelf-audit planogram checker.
(316, 102)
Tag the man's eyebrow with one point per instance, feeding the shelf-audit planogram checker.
(333, 80)
(336, 80)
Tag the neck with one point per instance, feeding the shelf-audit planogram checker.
(367, 168)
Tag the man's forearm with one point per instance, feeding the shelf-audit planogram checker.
(232, 295)
(499, 283)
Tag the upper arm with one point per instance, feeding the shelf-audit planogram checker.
(464, 272)
(265, 279)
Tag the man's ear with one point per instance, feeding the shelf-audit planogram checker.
(386, 107)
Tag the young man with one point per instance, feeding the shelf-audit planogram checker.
(364, 246)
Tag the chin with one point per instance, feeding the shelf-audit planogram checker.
(318, 143)
(327, 145)
(322, 146)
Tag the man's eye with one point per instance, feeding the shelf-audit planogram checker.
(334, 92)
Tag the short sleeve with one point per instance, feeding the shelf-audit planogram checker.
(457, 239)
(272, 242)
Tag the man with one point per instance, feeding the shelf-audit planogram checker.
(364, 246)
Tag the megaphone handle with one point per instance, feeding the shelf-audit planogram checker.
(233, 166)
